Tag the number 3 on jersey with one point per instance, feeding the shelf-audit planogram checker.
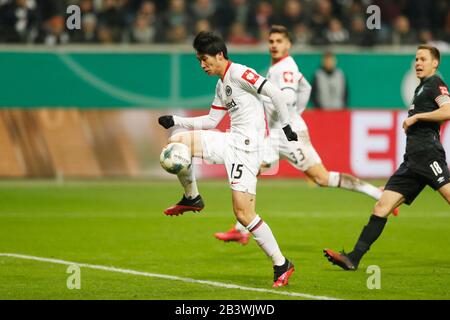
(238, 172)
(298, 157)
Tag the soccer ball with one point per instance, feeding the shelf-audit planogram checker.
(175, 158)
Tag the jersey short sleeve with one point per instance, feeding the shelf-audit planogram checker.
(439, 92)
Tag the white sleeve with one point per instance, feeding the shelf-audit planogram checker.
(278, 100)
(287, 79)
(290, 95)
(255, 83)
(250, 81)
(304, 92)
(210, 121)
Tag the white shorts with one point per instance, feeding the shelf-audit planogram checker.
(301, 154)
(242, 166)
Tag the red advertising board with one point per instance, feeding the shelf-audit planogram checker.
(368, 144)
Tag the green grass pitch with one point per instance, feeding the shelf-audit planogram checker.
(121, 224)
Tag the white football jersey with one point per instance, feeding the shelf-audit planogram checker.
(238, 94)
(285, 75)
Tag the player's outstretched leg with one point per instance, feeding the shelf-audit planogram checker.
(396, 210)
(370, 233)
(243, 206)
(282, 267)
(191, 200)
(333, 179)
(237, 233)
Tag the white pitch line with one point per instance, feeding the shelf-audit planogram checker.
(165, 276)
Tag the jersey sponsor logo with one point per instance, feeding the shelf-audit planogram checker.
(231, 104)
(228, 91)
(288, 76)
(443, 90)
(250, 76)
(440, 179)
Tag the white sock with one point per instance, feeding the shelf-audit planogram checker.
(333, 179)
(369, 189)
(239, 227)
(265, 239)
(348, 182)
(187, 180)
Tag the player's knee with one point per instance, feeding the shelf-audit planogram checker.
(382, 209)
(447, 197)
(445, 192)
(179, 137)
(243, 215)
(174, 138)
(240, 213)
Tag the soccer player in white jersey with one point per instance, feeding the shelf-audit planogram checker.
(238, 94)
(284, 73)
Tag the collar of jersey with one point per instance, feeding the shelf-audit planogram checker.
(226, 69)
(282, 58)
(427, 78)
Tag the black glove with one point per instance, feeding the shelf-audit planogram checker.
(166, 121)
(290, 135)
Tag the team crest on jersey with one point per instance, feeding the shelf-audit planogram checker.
(444, 90)
(250, 76)
(228, 91)
(288, 76)
(420, 91)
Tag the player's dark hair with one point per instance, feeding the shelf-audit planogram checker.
(277, 28)
(435, 54)
(207, 42)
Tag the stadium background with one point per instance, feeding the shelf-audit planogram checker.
(77, 108)
(92, 112)
(84, 103)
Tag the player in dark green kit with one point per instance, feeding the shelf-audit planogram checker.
(424, 160)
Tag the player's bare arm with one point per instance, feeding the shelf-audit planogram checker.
(441, 114)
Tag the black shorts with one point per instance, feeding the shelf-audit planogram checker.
(417, 171)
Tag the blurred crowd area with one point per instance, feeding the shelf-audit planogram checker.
(312, 22)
